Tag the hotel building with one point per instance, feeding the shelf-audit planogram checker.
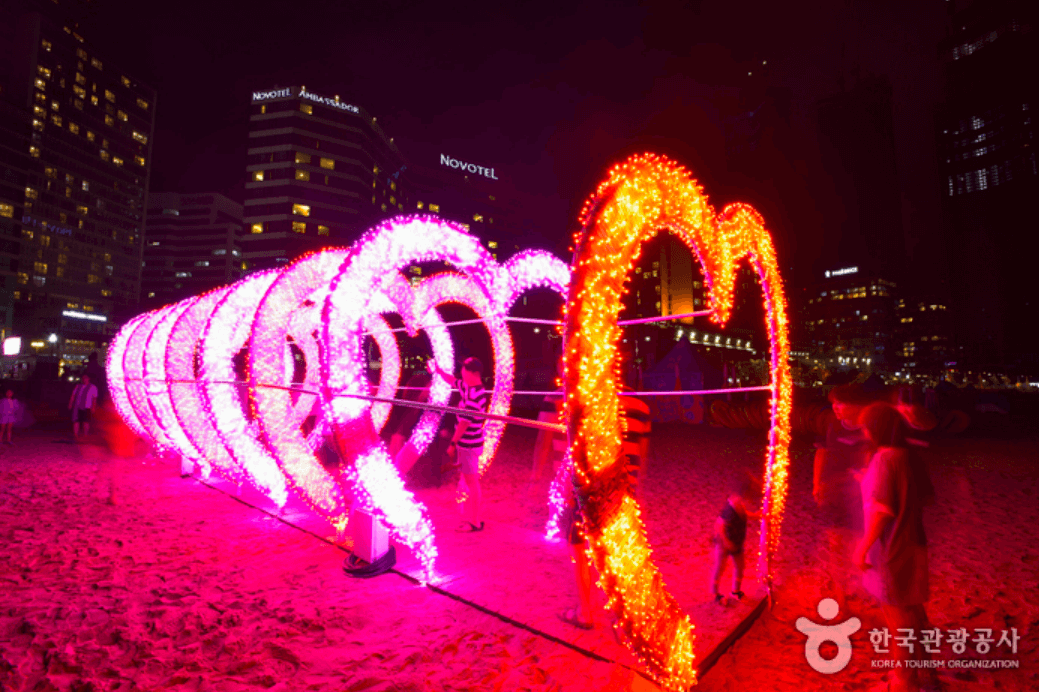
(73, 211)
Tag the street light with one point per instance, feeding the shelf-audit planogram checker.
(53, 339)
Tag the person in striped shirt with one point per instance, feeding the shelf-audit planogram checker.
(634, 449)
(468, 435)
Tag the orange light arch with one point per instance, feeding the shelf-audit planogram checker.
(640, 197)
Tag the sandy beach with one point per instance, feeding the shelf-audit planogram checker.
(183, 586)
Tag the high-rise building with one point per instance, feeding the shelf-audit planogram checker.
(320, 171)
(989, 181)
(75, 208)
(851, 321)
(193, 245)
(857, 146)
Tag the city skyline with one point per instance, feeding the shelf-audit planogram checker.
(549, 104)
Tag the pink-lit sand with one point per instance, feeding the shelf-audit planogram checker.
(182, 587)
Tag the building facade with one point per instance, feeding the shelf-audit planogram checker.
(989, 180)
(852, 322)
(193, 246)
(320, 171)
(74, 228)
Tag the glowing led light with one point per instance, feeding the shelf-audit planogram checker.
(116, 376)
(640, 197)
(225, 335)
(136, 386)
(182, 370)
(157, 386)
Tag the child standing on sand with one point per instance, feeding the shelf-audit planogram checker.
(730, 532)
(10, 410)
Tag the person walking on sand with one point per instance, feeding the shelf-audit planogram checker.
(893, 551)
(10, 413)
(81, 403)
(730, 533)
(468, 436)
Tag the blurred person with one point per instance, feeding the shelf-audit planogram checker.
(634, 448)
(893, 551)
(81, 403)
(10, 413)
(730, 532)
(401, 449)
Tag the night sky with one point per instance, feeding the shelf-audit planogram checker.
(549, 94)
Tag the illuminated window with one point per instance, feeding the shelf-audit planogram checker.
(435, 208)
(96, 63)
(63, 259)
(109, 96)
(122, 116)
(257, 228)
(322, 230)
(493, 244)
(104, 155)
(43, 71)
(37, 125)
(93, 99)
(79, 91)
(393, 200)
(39, 111)
(110, 121)
(82, 211)
(56, 119)
(142, 104)
(299, 227)
(46, 45)
(258, 176)
(40, 84)
(384, 206)
(73, 128)
(125, 81)
(330, 164)
(393, 186)
(306, 108)
(418, 205)
(86, 186)
(23, 278)
(60, 272)
(6, 210)
(301, 209)
(90, 136)
(143, 139)
(202, 263)
(39, 267)
(31, 193)
(139, 160)
(477, 217)
(263, 109)
(34, 152)
(302, 175)
(302, 158)
(107, 293)
(80, 79)
(117, 161)
(81, 54)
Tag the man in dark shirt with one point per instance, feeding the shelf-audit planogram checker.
(468, 436)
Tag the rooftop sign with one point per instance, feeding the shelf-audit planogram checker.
(842, 272)
(446, 160)
(288, 92)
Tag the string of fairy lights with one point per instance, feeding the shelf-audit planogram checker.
(175, 380)
(638, 199)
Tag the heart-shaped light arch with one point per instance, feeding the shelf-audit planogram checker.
(640, 197)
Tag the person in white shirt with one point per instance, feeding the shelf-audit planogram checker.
(81, 403)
